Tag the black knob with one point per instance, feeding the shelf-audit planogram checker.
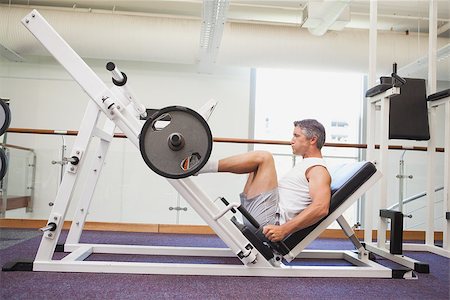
(176, 141)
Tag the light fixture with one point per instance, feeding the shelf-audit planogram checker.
(213, 22)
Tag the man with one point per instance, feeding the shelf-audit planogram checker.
(299, 199)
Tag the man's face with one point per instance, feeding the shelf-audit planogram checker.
(299, 143)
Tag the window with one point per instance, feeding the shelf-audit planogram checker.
(334, 99)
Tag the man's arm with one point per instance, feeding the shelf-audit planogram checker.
(320, 192)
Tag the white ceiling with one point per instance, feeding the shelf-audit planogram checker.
(393, 15)
(283, 16)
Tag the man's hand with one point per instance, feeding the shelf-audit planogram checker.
(275, 233)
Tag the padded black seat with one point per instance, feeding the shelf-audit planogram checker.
(346, 179)
(378, 89)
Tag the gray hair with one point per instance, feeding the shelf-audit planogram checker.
(312, 128)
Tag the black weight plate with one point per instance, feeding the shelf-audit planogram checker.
(3, 163)
(154, 146)
(5, 117)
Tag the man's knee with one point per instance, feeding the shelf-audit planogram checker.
(263, 156)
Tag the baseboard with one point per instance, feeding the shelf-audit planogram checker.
(186, 229)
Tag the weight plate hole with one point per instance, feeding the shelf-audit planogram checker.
(161, 122)
(190, 162)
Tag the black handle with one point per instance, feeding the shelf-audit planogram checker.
(227, 203)
(110, 66)
(244, 212)
(398, 78)
(249, 217)
(395, 76)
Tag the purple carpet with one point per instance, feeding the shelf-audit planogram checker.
(49, 285)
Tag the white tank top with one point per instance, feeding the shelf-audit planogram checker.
(294, 189)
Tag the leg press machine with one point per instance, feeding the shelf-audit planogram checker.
(258, 257)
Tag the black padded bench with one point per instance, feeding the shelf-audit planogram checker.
(346, 180)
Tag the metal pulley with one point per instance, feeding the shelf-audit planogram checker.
(175, 142)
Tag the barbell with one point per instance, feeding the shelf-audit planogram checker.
(175, 142)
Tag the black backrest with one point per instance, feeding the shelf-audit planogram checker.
(346, 179)
(408, 112)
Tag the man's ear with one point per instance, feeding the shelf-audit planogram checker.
(313, 140)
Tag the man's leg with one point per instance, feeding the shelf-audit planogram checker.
(260, 166)
(262, 180)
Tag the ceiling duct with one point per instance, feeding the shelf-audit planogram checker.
(112, 36)
(444, 30)
(327, 15)
(421, 64)
(105, 35)
(263, 14)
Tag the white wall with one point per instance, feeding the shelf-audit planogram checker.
(44, 96)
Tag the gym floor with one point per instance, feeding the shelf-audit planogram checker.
(20, 244)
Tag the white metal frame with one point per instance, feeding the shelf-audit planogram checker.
(431, 153)
(122, 113)
(380, 103)
(429, 232)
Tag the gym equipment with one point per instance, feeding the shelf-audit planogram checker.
(5, 121)
(175, 142)
(379, 97)
(5, 116)
(382, 103)
(436, 100)
(439, 99)
(23, 199)
(257, 257)
(408, 118)
(3, 163)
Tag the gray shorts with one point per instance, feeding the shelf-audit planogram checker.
(264, 207)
